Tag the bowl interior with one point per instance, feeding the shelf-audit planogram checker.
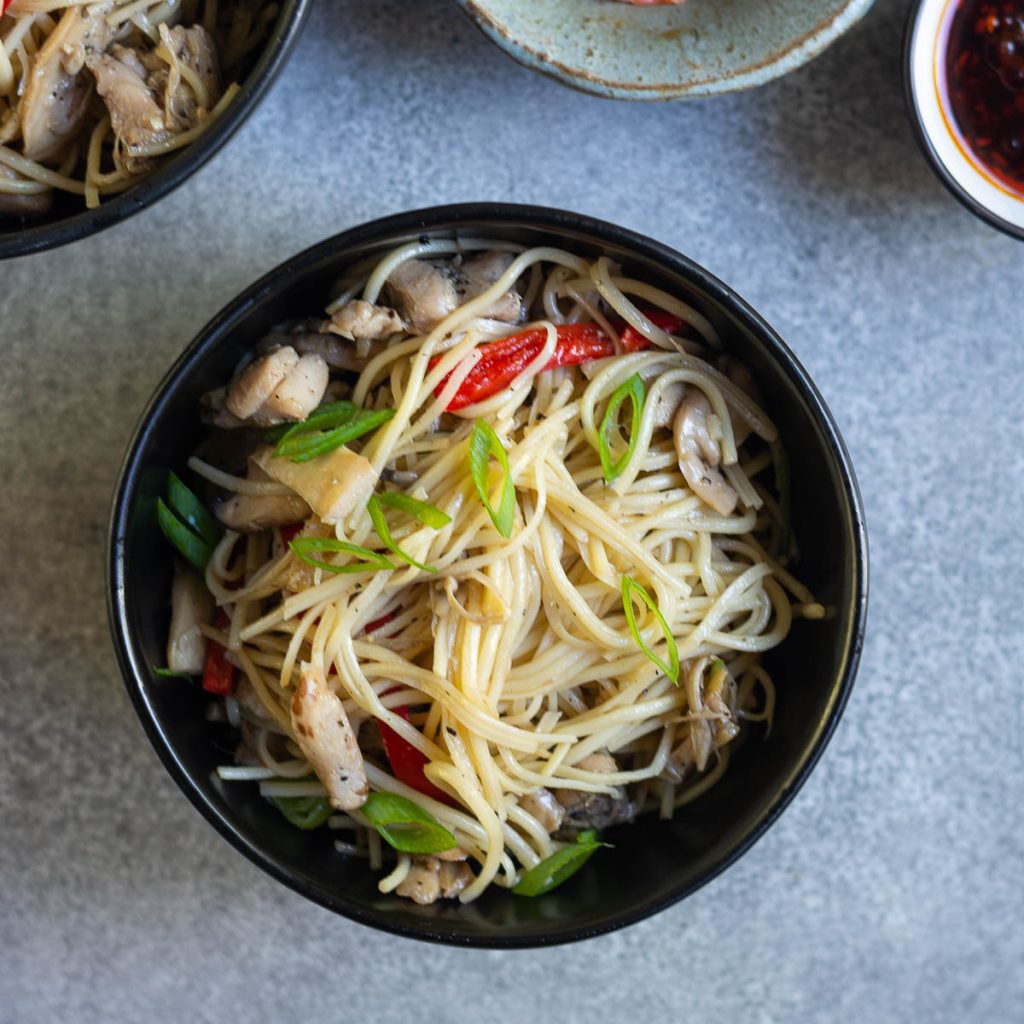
(696, 49)
(653, 862)
(69, 220)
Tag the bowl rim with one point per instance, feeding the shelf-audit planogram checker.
(173, 172)
(135, 672)
(784, 60)
(923, 138)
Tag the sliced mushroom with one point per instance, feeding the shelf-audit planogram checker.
(57, 94)
(699, 454)
(137, 119)
(358, 320)
(424, 293)
(478, 273)
(250, 513)
(193, 48)
(324, 735)
(543, 806)
(594, 810)
(191, 608)
(668, 403)
(332, 485)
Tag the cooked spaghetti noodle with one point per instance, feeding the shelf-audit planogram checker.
(94, 92)
(528, 683)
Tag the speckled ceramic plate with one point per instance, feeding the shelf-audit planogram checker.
(701, 48)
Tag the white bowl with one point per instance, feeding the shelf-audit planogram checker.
(941, 139)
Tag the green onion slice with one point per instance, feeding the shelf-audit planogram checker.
(483, 444)
(632, 590)
(305, 547)
(191, 545)
(327, 428)
(424, 512)
(561, 865)
(303, 812)
(405, 825)
(325, 417)
(633, 389)
(166, 673)
(191, 510)
(380, 524)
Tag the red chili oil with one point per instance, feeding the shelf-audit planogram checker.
(985, 76)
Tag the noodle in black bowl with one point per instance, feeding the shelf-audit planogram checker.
(112, 161)
(651, 863)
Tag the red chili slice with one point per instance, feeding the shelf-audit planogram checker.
(218, 672)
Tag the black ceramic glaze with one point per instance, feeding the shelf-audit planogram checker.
(69, 220)
(653, 863)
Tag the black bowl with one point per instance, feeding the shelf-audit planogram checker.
(69, 220)
(653, 863)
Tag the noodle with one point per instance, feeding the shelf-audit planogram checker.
(511, 666)
(93, 157)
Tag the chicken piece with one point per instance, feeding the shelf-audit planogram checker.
(57, 94)
(256, 383)
(454, 877)
(297, 395)
(135, 116)
(543, 806)
(333, 485)
(191, 608)
(359, 320)
(22, 204)
(478, 274)
(325, 737)
(424, 293)
(699, 454)
(429, 879)
(423, 883)
(594, 810)
(250, 513)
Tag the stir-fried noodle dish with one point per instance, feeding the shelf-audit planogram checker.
(94, 94)
(483, 562)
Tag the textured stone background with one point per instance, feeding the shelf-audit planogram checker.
(889, 891)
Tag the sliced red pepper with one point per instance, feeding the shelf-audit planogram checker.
(218, 672)
(407, 761)
(503, 360)
(634, 341)
(290, 532)
(372, 627)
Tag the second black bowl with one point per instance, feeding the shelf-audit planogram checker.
(653, 863)
(69, 220)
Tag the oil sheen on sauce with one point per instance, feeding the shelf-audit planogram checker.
(985, 79)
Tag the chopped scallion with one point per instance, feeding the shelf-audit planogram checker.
(560, 866)
(405, 825)
(633, 389)
(305, 812)
(380, 524)
(632, 590)
(329, 427)
(483, 444)
(305, 547)
(427, 514)
(192, 511)
(190, 544)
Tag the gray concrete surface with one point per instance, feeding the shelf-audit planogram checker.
(889, 891)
